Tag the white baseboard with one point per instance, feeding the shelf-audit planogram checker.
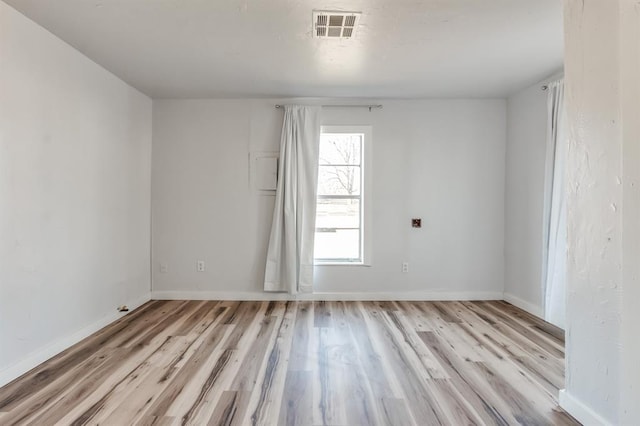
(384, 296)
(579, 411)
(524, 305)
(44, 353)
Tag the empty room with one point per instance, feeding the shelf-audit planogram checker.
(242, 212)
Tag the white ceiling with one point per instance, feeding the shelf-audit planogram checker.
(265, 48)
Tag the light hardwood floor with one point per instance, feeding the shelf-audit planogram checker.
(302, 363)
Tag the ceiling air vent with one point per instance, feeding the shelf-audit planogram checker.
(328, 24)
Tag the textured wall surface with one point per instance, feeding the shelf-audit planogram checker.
(630, 336)
(603, 213)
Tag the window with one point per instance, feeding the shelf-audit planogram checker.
(342, 208)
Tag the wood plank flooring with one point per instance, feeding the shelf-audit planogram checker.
(302, 363)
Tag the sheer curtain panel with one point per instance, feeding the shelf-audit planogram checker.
(555, 259)
(290, 254)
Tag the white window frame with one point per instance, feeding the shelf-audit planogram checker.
(366, 184)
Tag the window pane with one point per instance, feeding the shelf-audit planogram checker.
(341, 244)
(339, 180)
(340, 148)
(332, 213)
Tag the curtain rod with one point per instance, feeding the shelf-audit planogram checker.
(377, 106)
(546, 84)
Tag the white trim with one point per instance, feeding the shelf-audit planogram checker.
(384, 296)
(46, 352)
(366, 191)
(579, 410)
(524, 305)
(366, 188)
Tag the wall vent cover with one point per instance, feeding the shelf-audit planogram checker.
(335, 24)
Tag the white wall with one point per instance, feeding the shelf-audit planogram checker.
(441, 160)
(74, 194)
(524, 197)
(603, 100)
(630, 111)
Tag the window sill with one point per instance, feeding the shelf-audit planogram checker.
(342, 264)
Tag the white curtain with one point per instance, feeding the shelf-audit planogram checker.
(290, 254)
(555, 265)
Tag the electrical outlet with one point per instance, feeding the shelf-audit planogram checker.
(200, 266)
(405, 267)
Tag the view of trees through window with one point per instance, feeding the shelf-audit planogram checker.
(339, 206)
